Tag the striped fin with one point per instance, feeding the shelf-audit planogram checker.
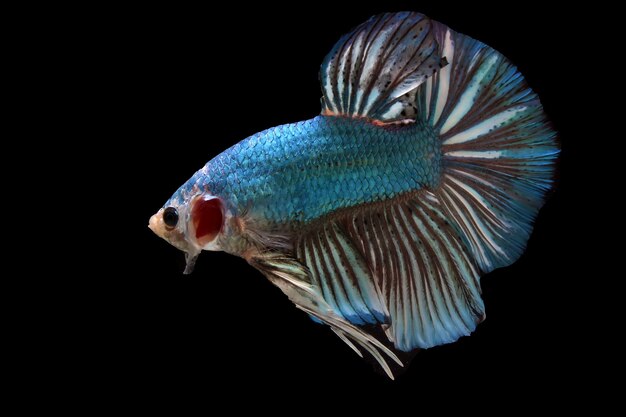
(373, 71)
(294, 279)
(400, 265)
(499, 149)
(329, 252)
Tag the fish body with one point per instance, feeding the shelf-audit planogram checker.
(293, 174)
(426, 169)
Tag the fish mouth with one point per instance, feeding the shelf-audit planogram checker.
(153, 223)
(175, 238)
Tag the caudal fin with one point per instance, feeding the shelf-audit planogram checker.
(498, 146)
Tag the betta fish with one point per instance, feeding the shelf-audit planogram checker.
(425, 170)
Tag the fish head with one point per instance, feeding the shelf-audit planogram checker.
(191, 225)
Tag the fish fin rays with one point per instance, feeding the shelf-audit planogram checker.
(372, 72)
(294, 280)
(342, 275)
(499, 150)
(400, 265)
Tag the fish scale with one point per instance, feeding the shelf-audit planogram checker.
(303, 171)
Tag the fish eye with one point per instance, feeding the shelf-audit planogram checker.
(170, 217)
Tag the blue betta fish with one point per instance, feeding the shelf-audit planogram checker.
(425, 170)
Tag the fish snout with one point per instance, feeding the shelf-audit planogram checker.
(172, 234)
(155, 223)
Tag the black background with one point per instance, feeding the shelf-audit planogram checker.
(185, 89)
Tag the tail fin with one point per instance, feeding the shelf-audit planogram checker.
(499, 149)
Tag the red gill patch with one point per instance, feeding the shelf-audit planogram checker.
(207, 219)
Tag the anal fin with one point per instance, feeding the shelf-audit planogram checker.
(293, 278)
(400, 265)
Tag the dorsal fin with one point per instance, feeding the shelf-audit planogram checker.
(373, 71)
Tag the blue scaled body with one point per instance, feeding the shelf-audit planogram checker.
(302, 171)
